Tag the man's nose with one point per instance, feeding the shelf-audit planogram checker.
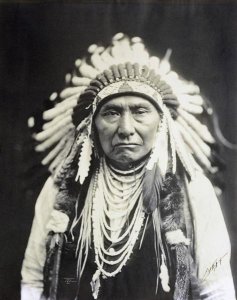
(126, 125)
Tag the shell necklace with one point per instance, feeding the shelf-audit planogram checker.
(117, 218)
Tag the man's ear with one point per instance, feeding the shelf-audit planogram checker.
(96, 141)
(159, 124)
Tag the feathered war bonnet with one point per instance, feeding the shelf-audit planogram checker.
(126, 67)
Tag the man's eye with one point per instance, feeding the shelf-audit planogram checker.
(140, 111)
(111, 113)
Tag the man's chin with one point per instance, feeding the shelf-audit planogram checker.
(126, 161)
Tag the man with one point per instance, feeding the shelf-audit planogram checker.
(128, 212)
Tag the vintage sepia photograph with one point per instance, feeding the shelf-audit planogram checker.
(118, 150)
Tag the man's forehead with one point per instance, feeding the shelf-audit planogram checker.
(127, 100)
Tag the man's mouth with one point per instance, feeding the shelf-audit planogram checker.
(126, 145)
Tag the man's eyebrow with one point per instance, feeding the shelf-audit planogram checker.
(111, 106)
(140, 104)
(119, 106)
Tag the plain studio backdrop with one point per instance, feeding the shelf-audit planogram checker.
(39, 44)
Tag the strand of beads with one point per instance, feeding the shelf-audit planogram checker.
(116, 196)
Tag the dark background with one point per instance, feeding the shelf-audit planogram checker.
(39, 44)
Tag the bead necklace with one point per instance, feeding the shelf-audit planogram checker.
(117, 196)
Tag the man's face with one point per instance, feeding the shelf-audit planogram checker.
(127, 126)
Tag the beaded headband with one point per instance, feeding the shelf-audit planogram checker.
(122, 68)
(131, 87)
(130, 79)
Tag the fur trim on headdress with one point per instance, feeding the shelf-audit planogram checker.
(172, 215)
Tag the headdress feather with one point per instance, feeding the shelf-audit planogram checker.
(86, 149)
